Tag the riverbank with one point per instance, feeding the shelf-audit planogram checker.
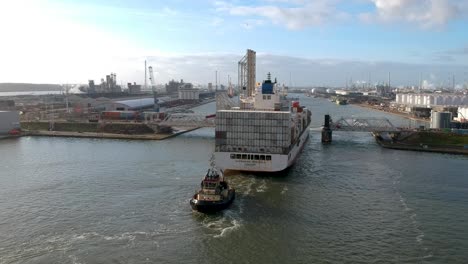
(426, 141)
(106, 135)
(404, 115)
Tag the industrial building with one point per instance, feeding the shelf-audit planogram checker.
(319, 90)
(126, 105)
(383, 90)
(189, 94)
(108, 85)
(347, 92)
(441, 119)
(9, 120)
(174, 86)
(134, 88)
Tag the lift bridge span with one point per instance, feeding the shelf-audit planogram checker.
(355, 124)
(189, 120)
(361, 124)
(349, 124)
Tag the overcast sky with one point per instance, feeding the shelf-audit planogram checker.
(315, 42)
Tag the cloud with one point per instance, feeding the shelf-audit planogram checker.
(45, 46)
(304, 71)
(216, 21)
(451, 54)
(200, 68)
(296, 15)
(252, 23)
(300, 14)
(427, 14)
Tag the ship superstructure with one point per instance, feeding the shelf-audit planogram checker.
(265, 133)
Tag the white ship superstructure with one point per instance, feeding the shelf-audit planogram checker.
(266, 133)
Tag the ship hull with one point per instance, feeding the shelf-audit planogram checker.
(277, 162)
(213, 206)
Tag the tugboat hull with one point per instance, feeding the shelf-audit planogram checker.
(212, 206)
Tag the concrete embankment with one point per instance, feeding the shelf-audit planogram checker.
(136, 131)
(427, 141)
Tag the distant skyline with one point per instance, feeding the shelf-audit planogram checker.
(321, 42)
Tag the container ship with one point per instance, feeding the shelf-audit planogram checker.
(266, 133)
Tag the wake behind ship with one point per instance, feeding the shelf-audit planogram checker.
(265, 134)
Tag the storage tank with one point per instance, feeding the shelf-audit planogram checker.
(398, 98)
(440, 119)
(431, 100)
(463, 114)
(456, 100)
(404, 99)
(448, 100)
(465, 100)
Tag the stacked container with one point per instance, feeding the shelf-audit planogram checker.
(253, 131)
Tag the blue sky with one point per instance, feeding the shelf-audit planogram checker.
(73, 41)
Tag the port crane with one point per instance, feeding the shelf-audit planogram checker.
(153, 88)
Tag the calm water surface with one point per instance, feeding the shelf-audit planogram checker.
(65, 200)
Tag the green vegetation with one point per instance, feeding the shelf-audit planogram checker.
(437, 139)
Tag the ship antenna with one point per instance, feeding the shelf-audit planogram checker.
(212, 161)
(269, 76)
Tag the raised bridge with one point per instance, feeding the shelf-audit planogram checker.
(355, 124)
(186, 120)
(189, 120)
(362, 124)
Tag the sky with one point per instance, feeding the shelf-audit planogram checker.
(301, 42)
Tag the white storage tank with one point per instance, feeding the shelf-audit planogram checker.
(465, 100)
(431, 100)
(440, 119)
(448, 100)
(463, 114)
(404, 99)
(456, 100)
(398, 98)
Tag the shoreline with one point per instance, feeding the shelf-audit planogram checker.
(42, 133)
(424, 148)
(392, 113)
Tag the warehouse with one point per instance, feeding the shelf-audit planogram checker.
(9, 120)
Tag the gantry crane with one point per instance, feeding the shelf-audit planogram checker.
(153, 88)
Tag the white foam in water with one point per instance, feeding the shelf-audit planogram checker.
(249, 186)
(226, 230)
(420, 237)
(222, 226)
(74, 259)
(285, 189)
(263, 187)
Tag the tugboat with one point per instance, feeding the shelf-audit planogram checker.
(215, 194)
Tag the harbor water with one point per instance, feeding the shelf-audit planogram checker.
(68, 200)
